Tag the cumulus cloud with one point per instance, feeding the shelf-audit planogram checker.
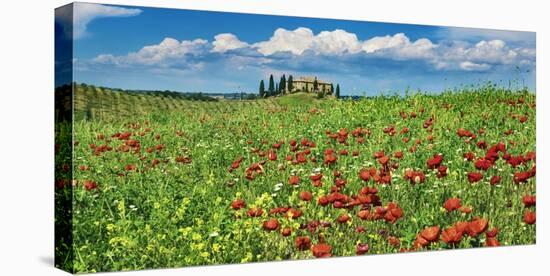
(84, 13)
(168, 52)
(301, 48)
(225, 42)
(470, 66)
(283, 40)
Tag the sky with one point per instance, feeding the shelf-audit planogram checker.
(215, 52)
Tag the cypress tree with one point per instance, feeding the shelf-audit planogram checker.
(262, 89)
(271, 87)
(315, 84)
(290, 85)
(338, 91)
(282, 84)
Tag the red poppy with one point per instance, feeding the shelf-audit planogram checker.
(383, 160)
(465, 209)
(435, 162)
(362, 248)
(323, 201)
(451, 235)
(272, 155)
(495, 180)
(461, 226)
(530, 217)
(316, 177)
(183, 159)
(452, 204)
(442, 171)
(469, 156)
(364, 175)
(305, 196)
(286, 231)
(493, 232)
(476, 227)
(364, 214)
(294, 180)
(474, 177)
(89, 185)
(483, 164)
(430, 234)
(238, 204)
(321, 250)
(529, 200)
(521, 177)
(491, 242)
(254, 212)
(394, 241)
(481, 144)
(271, 224)
(343, 218)
(302, 242)
(293, 213)
(330, 159)
(415, 177)
(393, 212)
(130, 167)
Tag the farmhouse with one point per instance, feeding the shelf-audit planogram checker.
(306, 84)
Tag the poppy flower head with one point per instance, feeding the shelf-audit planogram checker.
(529, 200)
(452, 235)
(491, 242)
(476, 227)
(435, 162)
(361, 248)
(305, 196)
(286, 231)
(302, 242)
(271, 224)
(89, 185)
(430, 234)
(343, 218)
(238, 204)
(452, 204)
(474, 177)
(321, 250)
(294, 180)
(530, 217)
(255, 212)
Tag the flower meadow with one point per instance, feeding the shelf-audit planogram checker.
(300, 179)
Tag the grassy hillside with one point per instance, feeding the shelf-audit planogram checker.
(195, 183)
(92, 103)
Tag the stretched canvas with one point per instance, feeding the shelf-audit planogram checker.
(188, 138)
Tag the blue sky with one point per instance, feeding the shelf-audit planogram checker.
(183, 50)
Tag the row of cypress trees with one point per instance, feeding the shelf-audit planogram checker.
(279, 87)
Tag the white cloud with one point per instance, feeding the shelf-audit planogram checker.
(470, 66)
(384, 42)
(283, 40)
(455, 55)
(336, 42)
(169, 51)
(84, 13)
(225, 42)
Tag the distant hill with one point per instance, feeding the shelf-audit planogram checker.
(93, 102)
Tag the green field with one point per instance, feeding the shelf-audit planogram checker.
(169, 182)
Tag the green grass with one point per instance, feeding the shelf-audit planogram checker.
(178, 214)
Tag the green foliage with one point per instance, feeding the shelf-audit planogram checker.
(174, 213)
(262, 89)
(290, 83)
(271, 89)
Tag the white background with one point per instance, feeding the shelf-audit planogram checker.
(26, 134)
